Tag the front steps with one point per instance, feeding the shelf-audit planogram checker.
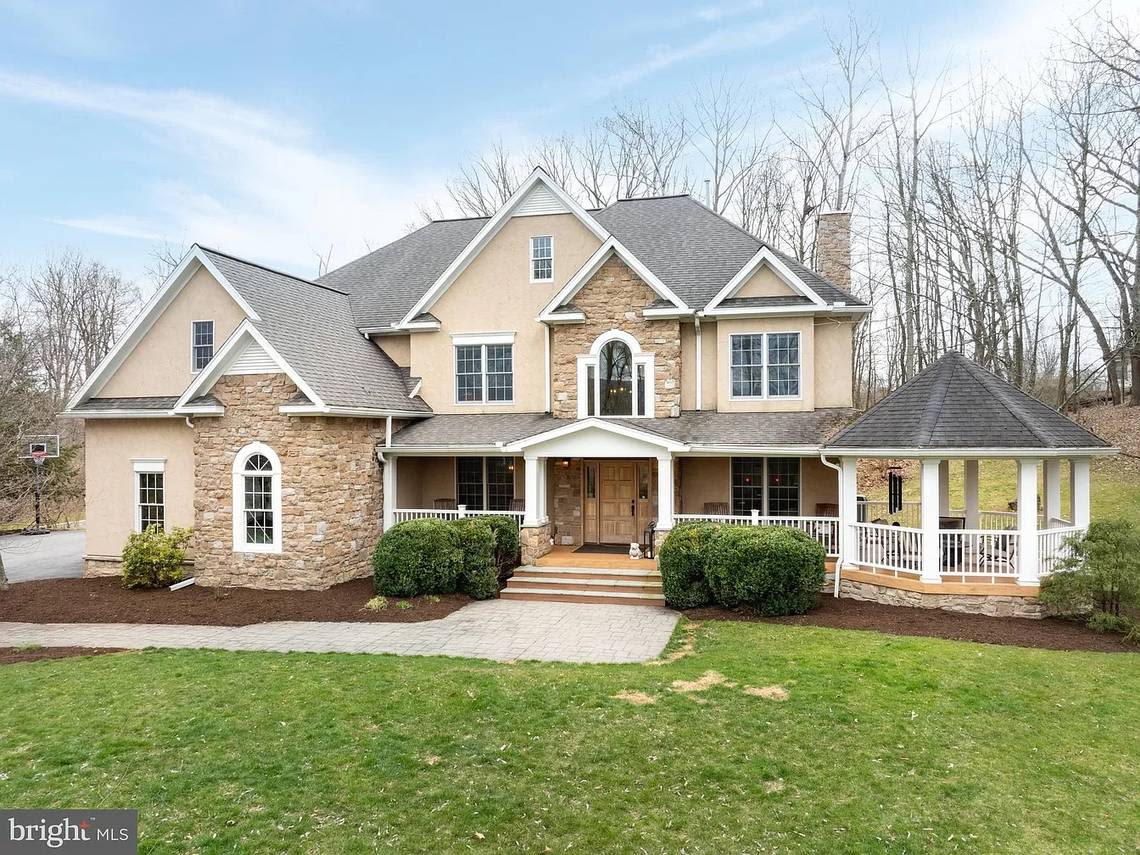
(618, 586)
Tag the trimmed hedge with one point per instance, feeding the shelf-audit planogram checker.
(483, 584)
(153, 558)
(417, 557)
(774, 570)
(506, 543)
(681, 561)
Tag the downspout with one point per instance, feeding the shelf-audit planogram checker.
(838, 558)
(697, 332)
(546, 364)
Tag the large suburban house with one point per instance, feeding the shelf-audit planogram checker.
(597, 375)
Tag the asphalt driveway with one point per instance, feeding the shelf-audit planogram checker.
(58, 555)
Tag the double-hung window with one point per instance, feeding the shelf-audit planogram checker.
(768, 485)
(485, 483)
(765, 365)
(150, 494)
(257, 499)
(202, 345)
(484, 371)
(542, 258)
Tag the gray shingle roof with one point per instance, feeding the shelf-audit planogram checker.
(692, 250)
(386, 283)
(312, 326)
(692, 427)
(141, 403)
(957, 404)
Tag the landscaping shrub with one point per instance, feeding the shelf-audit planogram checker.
(482, 584)
(476, 540)
(1100, 582)
(506, 543)
(153, 558)
(774, 570)
(417, 557)
(681, 561)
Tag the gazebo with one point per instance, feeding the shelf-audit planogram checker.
(947, 555)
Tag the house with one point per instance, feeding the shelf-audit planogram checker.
(598, 375)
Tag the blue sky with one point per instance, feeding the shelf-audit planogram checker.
(277, 130)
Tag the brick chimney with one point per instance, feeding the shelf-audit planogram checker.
(833, 247)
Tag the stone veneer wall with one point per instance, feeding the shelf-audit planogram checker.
(833, 247)
(993, 605)
(613, 299)
(534, 542)
(331, 489)
(566, 503)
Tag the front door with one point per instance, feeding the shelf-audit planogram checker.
(618, 515)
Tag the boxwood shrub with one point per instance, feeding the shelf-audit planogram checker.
(681, 561)
(153, 558)
(417, 557)
(774, 570)
(506, 543)
(476, 539)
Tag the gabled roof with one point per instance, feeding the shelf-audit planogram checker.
(955, 403)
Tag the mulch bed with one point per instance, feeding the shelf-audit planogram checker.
(105, 600)
(1048, 633)
(11, 655)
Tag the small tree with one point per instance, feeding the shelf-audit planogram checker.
(154, 558)
(1101, 576)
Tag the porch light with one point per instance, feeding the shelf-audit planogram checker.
(565, 463)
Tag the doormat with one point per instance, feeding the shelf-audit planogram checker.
(603, 549)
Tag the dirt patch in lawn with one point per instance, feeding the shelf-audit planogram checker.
(1049, 633)
(11, 655)
(704, 682)
(105, 600)
(771, 693)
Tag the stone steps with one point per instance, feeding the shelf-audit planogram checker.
(594, 585)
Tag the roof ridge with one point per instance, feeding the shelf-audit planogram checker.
(651, 198)
(269, 269)
(931, 417)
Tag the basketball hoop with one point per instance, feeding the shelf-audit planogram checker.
(38, 448)
(39, 455)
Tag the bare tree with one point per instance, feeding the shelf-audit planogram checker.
(723, 134)
(486, 183)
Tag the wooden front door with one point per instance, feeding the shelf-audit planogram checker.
(618, 505)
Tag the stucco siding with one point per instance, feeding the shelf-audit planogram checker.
(833, 359)
(160, 363)
(111, 448)
(765, 282)
(726, 328)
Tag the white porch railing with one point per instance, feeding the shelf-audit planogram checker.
(970, 553)
(887, 547)
(824, 530)
(404, 514)
(1053, 546)
(910, 516)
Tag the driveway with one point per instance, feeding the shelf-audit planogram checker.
(58, 555)
(493, 629)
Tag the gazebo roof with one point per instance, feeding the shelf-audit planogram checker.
(955, 403)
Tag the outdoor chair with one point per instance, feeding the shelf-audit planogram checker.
(716, 509)
(444, 505)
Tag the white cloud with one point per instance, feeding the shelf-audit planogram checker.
(238, 178)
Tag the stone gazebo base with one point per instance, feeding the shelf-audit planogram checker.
(976, 598)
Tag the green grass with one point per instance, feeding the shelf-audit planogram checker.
(886, 744)
(1115, 487)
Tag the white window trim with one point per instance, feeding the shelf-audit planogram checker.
(239, 544)
(148, 466)
(767, 511)
(213, 343)
(764, 350)
(485, 476)
(532, 259)
(591, 359)
(481, 340)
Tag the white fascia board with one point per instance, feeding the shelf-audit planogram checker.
(446, 450)
(611, 246)
(416, 389)
(718, 450)
(483, 338)
(782, 311)
(562, 318)
(491, 228)
(347, 412)
(764, 256)
(225, 357)
(666, 313)
(118, 414)
(969, 453)
(145, 319)
(610, 427)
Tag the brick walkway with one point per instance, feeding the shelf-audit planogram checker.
(495, 629)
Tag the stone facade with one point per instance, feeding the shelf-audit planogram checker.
(833, 247)
(331, 489)
(993, 605)
(534, 542)
(613, 299)
(566, 502)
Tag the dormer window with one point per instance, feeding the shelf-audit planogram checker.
(542, 259)
(201, 344)
(616, 378)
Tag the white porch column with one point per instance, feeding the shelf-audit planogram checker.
(664, 492)
(970, 491)
(944, 488)
(389, 491)
(1079, 483)
(848, 508)
(1027, 559)
(1051, 478)
(531, 511)
(931, 559)
(543, 485)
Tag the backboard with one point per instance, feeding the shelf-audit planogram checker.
(39, 445)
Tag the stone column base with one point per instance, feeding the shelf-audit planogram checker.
(93, 567)
(534, 542)
(992, 605)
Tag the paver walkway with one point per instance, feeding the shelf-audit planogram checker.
(494, 629)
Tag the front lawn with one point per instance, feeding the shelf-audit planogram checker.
(883, 744)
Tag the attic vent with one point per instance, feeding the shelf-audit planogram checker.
(253, 360)
(540, 200)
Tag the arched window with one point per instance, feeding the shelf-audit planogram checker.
(257, 499)
(615, 378)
